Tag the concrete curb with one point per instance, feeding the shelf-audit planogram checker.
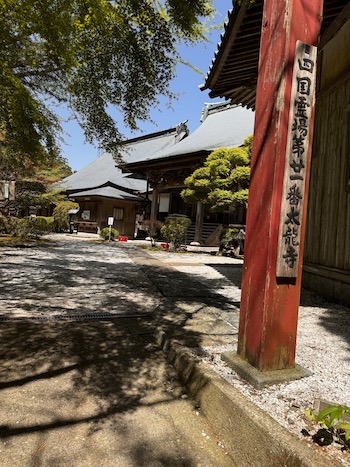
(250, 436)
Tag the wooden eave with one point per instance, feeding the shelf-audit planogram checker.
(234, 71)
(170, 163)
(103, 185)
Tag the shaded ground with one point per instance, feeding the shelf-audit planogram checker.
(81, 392)
(77, 390)
(70, 279)
(323, 344)
(95, 393)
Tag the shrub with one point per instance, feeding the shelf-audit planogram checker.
(30, 227)
(20, 227)
(5, 225)
(26, 227)
(228, 235)
(105, 233)
(61, 217)
(174, 230)
(41, 225)
(232, 241)
(153, 228)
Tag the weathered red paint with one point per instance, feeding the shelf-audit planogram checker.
(269, 307)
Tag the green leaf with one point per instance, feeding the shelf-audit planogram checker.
(223, 180)
(310, 414)
(327, 412)
(344, 426)
(91, 55)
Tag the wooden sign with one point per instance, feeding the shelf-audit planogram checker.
(301, 105)
(85, 215)
(7, 190)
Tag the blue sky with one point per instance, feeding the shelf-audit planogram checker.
(188, 106)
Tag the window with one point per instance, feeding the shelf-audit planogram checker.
(164, 202)
(118, 214)
(7, 190)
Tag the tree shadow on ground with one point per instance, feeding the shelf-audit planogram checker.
(84, 375)
(333, 317)
(232, 272)
(113, 363)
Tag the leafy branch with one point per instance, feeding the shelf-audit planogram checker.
(334, 426)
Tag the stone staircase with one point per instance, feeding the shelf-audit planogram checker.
(207, 231)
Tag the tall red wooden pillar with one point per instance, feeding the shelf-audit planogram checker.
(269, 304)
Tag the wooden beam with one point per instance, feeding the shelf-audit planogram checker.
(338, 275)
(332, 30)
(269, 305)
(225, 48)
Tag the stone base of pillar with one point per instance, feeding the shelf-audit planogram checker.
(262, 379)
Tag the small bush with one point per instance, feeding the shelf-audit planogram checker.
(105, 233)
(174, 230)
(232, 241)
(32, 227)
(5, 225)
(41, 225)
(153, 228)
(21, 228)
(26, 227)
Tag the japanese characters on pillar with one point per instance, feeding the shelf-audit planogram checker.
(302, 101)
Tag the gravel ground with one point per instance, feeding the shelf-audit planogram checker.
(318, 350)
(323, 345)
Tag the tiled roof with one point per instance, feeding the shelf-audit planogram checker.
(233, 72)
(223, 125)
(104, 169)
(99, 172)
(107, 192)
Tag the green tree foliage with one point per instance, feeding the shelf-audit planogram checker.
(61, 216)
(34, 188)
(90, 55)
(53, 172)
(223, 180)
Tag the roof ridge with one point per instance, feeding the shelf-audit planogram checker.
(177, 129)
(214, 107)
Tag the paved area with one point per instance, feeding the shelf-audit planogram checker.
(72, 279)
(194, 298)
(82, 381)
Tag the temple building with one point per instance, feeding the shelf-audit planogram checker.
(103, 190)
(149, 183)
(222, 125)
